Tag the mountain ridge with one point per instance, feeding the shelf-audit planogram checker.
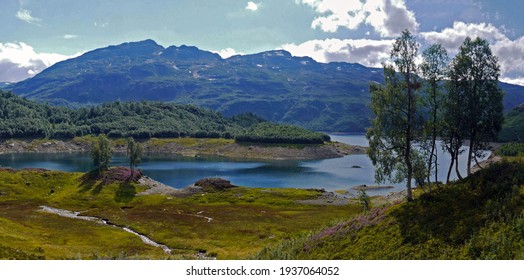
(273, 84)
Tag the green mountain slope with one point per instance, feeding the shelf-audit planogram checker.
(480, 217)
(513, 128)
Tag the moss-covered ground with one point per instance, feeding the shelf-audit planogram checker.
(244, 220)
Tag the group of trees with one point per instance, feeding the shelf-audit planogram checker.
(458, 101)
(101, 152)
(278, 133)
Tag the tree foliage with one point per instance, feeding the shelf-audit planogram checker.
(398, 119)
(277, 133)
(434, 70)
(134, 152)
(20, 117)
(101, 152)
(473, 107)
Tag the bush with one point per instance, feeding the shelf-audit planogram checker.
(511, 150)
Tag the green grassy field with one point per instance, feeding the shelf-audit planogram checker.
(244, 220)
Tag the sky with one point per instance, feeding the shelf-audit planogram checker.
(35, 34)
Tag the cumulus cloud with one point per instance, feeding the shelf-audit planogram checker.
(252, 6)
(510, 52)
(19, 61)
(25, 15)
(370, 53)
(387, 17)
(452, 37)
(228, 52)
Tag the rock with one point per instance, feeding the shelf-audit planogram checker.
(356, 166)
(213, 184)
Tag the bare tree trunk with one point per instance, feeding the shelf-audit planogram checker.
(436, 168)
(478, 163)
(470, 152)
(457, 166)
(450, 167)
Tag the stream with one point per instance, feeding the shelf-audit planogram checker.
(76, 215)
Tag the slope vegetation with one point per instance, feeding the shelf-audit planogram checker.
(513, 127)
(24, 118)
(481, 217)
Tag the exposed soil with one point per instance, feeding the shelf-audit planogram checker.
(230, 150)
(485, 163)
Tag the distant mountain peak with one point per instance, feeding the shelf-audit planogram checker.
(189, 53)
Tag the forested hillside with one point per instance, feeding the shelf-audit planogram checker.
(24, 118)
(513, 128)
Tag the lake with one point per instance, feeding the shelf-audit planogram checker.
(177, 171)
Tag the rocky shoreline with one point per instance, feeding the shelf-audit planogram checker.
(203, 147)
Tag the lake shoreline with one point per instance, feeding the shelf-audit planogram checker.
(191, 147)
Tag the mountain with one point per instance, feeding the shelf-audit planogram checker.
(513, 128)
(272, 84)
(4, 85)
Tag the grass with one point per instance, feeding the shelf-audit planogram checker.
(480, 217)
(244, 220)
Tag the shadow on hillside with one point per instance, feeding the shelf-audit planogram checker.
(126, 192)
(454, 213)
(91, 181)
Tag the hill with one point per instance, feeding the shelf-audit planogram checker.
(480, 217)
(22, 118)
(25, 118)
(513, 128)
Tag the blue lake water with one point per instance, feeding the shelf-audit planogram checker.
(176, 171)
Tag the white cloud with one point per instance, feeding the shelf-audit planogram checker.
(252, 6)
(70, 36)
(387, 17)
(515, 81)
(511, 57)
(228, 52)
(26, 16)
(510, 52)
(19, 61)
(370, 53)
(452, 37)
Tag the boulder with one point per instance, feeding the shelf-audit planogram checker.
(214, 184)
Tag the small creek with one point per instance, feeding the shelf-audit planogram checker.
(76, 215)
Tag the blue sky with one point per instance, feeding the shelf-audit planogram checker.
(36, 33)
